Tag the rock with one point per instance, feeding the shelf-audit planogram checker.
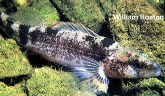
(149, 93)
(145, 85)
(37, 12)
(46, 81)
(20, 3)
(13, 62)
(16, 90)
(87, 12)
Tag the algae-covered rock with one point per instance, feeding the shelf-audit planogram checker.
(38, 11)
(87, 12)
(48, 82)
(149, 93)
(16, 90)
(12, 61)
(145, 84)
(20, 3)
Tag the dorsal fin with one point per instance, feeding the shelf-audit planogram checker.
(73, 27)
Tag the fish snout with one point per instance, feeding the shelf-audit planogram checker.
(158, 69)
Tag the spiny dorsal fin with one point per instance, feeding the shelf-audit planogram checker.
(93, 73)
(73, 27)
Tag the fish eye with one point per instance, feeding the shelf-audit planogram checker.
(137, 64)
(128, 54)
(136, 56)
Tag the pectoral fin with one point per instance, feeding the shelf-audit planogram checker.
(92, 73)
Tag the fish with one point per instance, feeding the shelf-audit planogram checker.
(89, 55)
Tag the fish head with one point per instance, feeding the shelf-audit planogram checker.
(127, 62)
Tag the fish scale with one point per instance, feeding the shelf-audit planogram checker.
(90, 56)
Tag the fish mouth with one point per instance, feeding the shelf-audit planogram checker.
(158, 69)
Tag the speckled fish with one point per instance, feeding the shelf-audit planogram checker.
(88, 54)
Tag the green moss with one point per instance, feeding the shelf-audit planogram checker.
(86, 12)
(1, 38)
(149, 93)
(11, 90)
(155, 2)
(12, 62)
(1, 8)
(145, 83)
(41, 10)
(46, 81)
(21, 3)
(145, 87)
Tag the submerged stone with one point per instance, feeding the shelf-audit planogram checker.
(12, 61)
(16, 90)
(20, 3)
(87, 12)
(46, 81)
(37, 13)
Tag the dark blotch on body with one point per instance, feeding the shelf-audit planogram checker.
(24, 30)
(34, 36)
(46, 37)
(106, 42)
(96, 49)
(89, 38)
(9, 30)
(51, 31)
